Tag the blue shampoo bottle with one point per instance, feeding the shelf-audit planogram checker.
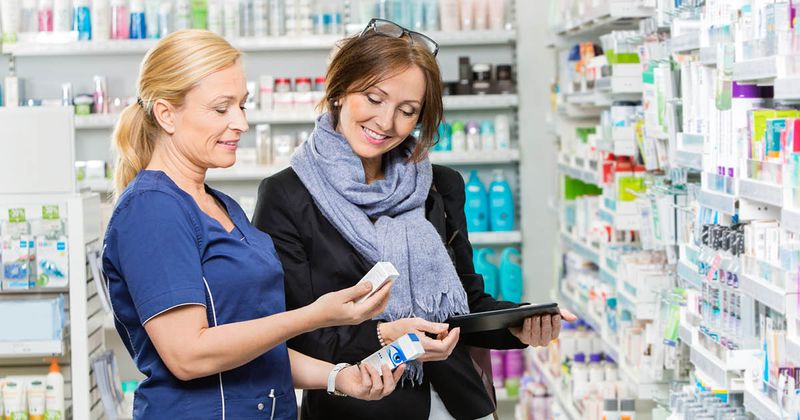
(445, 138)
(501, 203)
(511, 275)
(490, 272)
(82, 20)
(138, 24)
(476, 206)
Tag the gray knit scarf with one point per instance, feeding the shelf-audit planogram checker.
(428, 286)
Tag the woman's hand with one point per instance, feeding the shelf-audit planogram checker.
(541, 330)
(364, 382)
(435, 349)
(340, 307)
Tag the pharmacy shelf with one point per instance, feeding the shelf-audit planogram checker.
(793, 349)
(607, 16)
(584, 250)
(491, 157)
(451, 103)
(690, 275)
(25, 349)
(260, 44)
(761, 406)
(759, 70)
(762, 291)
(687, 43)
(479, 102)
(790, 220)
(582, 174)
(97, 185)
(495, 238)
(787, 89)
(242, 173)
(618, 147)
(723, 374)
(689, 160)
(621, 87)
(723, 203)
(762, 192)
(708, 56)
(502, 396)
(556, 389)
(37, 291)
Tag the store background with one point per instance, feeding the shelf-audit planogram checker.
(684, 313)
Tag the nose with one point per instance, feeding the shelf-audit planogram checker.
(239, 122)
(385, 119)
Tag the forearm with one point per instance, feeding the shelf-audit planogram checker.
(225, 347)
(308, 372)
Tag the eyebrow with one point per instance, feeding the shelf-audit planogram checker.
(230, 97)
(405, 102)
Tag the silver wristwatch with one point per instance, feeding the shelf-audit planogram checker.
(332, 380)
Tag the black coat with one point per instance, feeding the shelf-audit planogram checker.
(317, 259)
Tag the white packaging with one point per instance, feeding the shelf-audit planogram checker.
(11, 14)
(481, 11)
(62, 15)
(95, 169)
(214, 16)
(497, 14)
(231, 18)
(404, 349)
(252, 98)
(14, 400)
(260, 18)
(459, 141)
(449, 14)
(101, 20)
(52, 262)
(263, 144)
(283, 101)
(36, 391)
(282, 148)
(16, 257)
(502, 132)
(266, 89)
(54, 395)
(12, 89)
(467, 13)
(381, 273)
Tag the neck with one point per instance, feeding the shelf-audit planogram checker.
(185, 174)
(373, 169)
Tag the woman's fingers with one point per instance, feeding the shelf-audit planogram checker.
(547, 330)
(388, 381)
(376, 388)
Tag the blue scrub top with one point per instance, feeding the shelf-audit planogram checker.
(161, 252)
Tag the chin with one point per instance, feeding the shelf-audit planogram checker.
(223, 162)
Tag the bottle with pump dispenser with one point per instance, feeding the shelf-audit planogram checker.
(490, 272)
(54, 393)
(476, 206)
(511, 275)
(501, 203)
(459, 137)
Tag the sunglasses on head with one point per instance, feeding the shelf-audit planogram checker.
(389, 28)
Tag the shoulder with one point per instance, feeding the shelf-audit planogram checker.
(150, 200)
(448, 181)
(284, 186)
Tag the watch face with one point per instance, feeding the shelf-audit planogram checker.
(396, 355)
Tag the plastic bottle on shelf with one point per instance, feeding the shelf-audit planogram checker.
(567, 342)
(151, 9)
(214, 17)
(62, 15)
(511, 282)
(490, 272)
(45, 16)
(54, 393)
(119, 19)
(467, 14)
(138, 28)
(431, 15)
(260, 20)
(611, 371)
(82, 20)
(449, 14)
(473, 136)
(488, 138)
(29, 20)
(246, 18)
(232, 23)
(164, 19)
(445, 138)
(183, 15)
(580, 376)
(498, 367)
(497, 15)
(277, 12)
(481, 17)
(502, 132)
(476, 204)
(199, 14)
(596, 373)
(101, 20)
(459, 137)
(501, 203)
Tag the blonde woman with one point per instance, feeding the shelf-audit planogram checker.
(198, 292)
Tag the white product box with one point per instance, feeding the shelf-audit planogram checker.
(381, 273)
(404, 349)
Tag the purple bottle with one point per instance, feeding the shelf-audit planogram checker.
(498, 367)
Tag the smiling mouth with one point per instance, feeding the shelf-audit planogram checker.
(373, 136)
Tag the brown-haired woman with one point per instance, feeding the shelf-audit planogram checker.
(361, 190)
(197, 291)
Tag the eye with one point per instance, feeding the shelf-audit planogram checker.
(373, 100)
(408, 113)
(221, 111)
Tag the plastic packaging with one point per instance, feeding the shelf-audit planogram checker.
(511, 275)
(501, 203)
(497, 14)
(119, 19)
(165, 19)
(36, 392)
(214, 17)
(82, 20)
(62, 15)
(231, 18)
(29, 21)
(445, 138)
(101, 20)
(481, 16)
(183, 14)
(467, 14)
(502, 132)
(449, 15)
(151, 9)
(138, 28)
(459, 137)
(199, 14)
(54, 393)
(260, 18)
(246, 18)
(45, 16)
(476, 205)
(473, 136)
(488, 138)
(489, 272)
(10, 20)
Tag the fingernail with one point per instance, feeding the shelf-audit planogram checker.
(367, 286)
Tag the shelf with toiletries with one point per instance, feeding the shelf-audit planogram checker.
(787, 88)
(601, 17)
(724, 203)
(762, 407)
(724, 374)
(685, 43)
(760, 70)
(58, 48)
(790, 219)
(689, 160)
(555, 386)
(774, 296)
(495, 238)
(708, 56)
(584, 174)
(793, 349)
(760, 191)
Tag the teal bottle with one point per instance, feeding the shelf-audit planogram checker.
(445, 138)
(511, 275)
(489, 271)
(476, 206)
(501, 203)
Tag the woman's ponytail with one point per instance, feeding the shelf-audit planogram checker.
(133, 143)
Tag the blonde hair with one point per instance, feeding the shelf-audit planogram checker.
(169, 71)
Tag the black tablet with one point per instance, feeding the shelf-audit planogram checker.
(501, 318)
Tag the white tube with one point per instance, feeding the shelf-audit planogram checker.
(497, 14)
(62, 16)
(481, 17)
(467, 15)
(13, 399)
(101, 20)
(11, 20)
(449, 15)
(36, 400)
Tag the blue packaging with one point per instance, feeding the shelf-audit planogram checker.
(445, 143)
(82, 21)
(501, 204)
(511, 275)
(476, 206)
(489, 271)
(138, 21)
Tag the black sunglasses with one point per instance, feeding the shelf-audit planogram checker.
(389, 28)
